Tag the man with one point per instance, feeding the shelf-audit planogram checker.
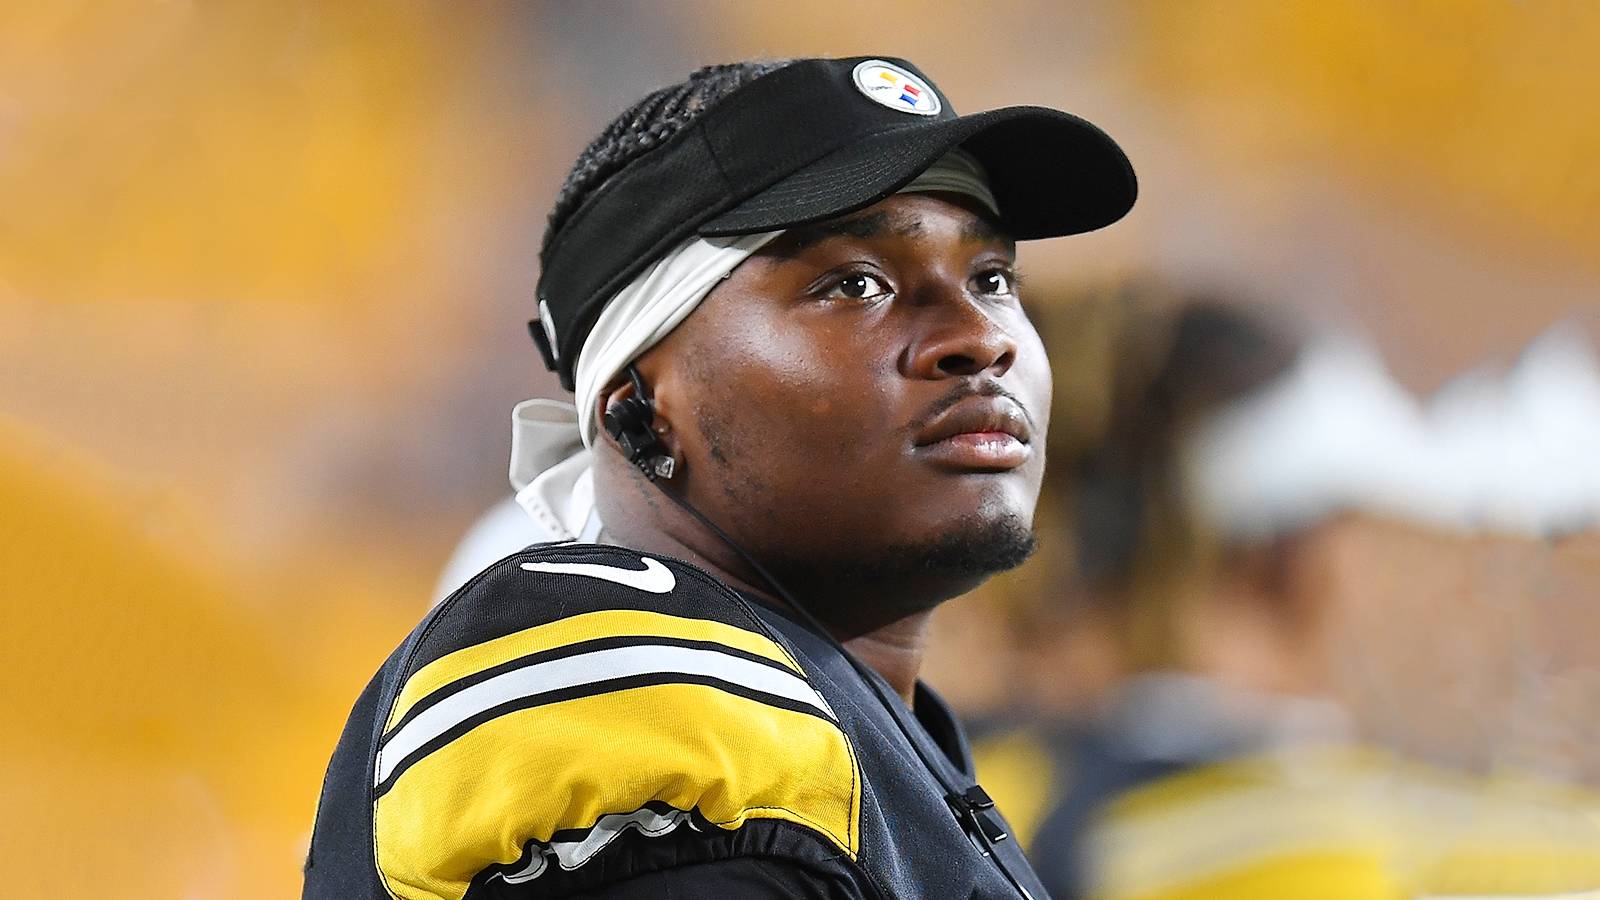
(787, 291)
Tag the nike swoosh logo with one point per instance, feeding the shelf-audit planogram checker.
(654, 577)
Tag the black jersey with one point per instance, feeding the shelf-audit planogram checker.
(582, 720)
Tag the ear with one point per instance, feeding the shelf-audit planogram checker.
(622, 388)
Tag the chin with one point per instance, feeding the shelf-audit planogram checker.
(909, 576)
(976, 504)
(961, 550)
(1015, 490)
(979, 545)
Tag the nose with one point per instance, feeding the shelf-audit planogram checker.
(957, 337)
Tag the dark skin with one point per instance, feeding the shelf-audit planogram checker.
(802, 400)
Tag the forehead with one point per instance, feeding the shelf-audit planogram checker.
(901, 217)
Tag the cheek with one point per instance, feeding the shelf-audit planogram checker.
(803, 422)
(818, 387)
(1035, 378)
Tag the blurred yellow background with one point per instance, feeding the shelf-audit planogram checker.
(264, 269)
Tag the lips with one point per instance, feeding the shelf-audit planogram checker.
(983, 433)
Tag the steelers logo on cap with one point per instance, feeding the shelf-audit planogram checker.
(896, 88)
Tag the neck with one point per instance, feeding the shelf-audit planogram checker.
(895, 651)
(638, 517)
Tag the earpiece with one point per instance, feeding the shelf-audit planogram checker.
(629, 422)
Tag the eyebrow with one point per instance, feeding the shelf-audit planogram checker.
(863, 227)
(881, 224)
(983, 230)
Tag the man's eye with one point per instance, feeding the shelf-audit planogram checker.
(995, 282)
(859, 287)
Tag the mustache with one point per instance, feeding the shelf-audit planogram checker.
(987, 388)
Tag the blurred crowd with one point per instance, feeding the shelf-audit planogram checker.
(1324, 638)
(1314, 613)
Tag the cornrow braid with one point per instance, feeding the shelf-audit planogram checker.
(644, 126)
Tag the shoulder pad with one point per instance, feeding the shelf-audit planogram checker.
(572, 693)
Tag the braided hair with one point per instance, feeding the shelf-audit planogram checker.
(644, 126)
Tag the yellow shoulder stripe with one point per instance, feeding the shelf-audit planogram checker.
(526, 775)
(588, 626)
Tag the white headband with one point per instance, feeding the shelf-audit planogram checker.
(653, 304)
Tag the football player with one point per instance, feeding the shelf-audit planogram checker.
(810, 409)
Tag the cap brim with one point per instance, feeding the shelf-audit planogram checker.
(1052, 174)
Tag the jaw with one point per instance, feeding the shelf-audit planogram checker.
(866, 587)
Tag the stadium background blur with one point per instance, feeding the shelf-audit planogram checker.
(264, 270)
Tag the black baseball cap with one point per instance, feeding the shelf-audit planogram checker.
(814, 139)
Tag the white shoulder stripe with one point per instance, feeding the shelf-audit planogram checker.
(589, 668)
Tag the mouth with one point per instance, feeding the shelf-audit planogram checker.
(978, 434)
